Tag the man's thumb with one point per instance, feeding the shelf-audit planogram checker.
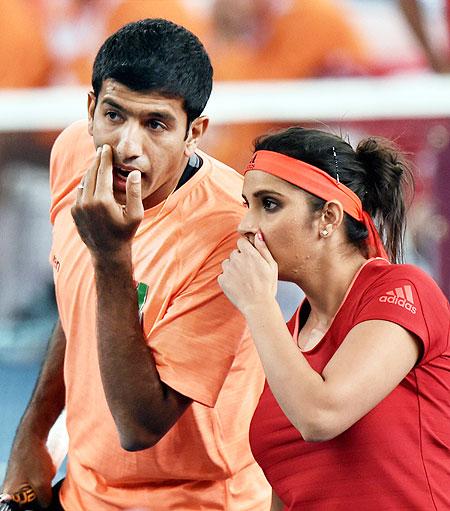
(134, 195)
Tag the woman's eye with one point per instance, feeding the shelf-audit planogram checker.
(269, 204)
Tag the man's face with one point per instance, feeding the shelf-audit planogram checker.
(147, 132)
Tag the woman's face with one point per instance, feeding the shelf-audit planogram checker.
(280, 211)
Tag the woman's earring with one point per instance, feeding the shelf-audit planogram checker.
(324, 233)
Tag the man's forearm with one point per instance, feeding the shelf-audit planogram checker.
(143, 407)
(30, 461)
(48, 398)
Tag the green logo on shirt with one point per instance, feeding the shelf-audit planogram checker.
(142, 292)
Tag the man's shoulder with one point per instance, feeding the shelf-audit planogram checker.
(208, 206)
(71, 155)
(222, 173)
(73, 143)
(76, 133)
(223, 184)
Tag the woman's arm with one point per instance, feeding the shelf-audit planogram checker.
(372, 360)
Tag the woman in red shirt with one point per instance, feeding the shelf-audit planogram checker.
(356, 410)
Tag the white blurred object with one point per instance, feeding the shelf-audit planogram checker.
(58, 441)
(407, 96)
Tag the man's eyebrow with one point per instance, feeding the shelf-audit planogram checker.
(155, 114)
(163, 116)
(112, 103)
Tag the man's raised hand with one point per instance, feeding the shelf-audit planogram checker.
(104, 225)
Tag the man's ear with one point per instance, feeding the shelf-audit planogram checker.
(196, 130)
(92, 101)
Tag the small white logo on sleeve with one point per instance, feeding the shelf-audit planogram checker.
(401, 296)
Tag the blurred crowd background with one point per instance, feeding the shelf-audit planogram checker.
(46, 43)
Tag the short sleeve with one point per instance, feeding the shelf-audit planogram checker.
(409, 302)
(71, 155)
(196, 342)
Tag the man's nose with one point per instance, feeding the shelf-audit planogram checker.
(130, 145)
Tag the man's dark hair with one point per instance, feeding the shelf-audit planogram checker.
(156, 55)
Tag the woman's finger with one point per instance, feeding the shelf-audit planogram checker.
(244, 245)
(234, 255)
(263, 249)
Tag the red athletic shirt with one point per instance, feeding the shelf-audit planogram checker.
(396, 457)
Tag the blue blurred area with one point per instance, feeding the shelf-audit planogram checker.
(16, 385)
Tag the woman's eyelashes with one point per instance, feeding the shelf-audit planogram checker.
(266, 202)
(269, 203)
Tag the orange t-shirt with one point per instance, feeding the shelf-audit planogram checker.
(199, 340)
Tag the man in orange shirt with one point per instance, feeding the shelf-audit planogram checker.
(155, 368)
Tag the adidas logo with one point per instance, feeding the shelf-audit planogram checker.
(400, 296)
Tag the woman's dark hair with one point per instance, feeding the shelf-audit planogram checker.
(376, 171)
(159, 56)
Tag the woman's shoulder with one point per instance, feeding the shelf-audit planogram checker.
(379, 271)
(398, 283)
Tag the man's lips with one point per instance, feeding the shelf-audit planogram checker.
(122, 171)
(120, 176)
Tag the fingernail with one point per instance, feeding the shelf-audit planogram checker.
(99, 151)
(260, 236)
(104, 147)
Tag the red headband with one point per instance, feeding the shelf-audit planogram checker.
(322, 185)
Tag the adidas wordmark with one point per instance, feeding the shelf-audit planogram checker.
(401, 296)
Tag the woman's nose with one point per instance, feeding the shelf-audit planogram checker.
(248, 225)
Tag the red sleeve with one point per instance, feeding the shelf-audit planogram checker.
(408, 297)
